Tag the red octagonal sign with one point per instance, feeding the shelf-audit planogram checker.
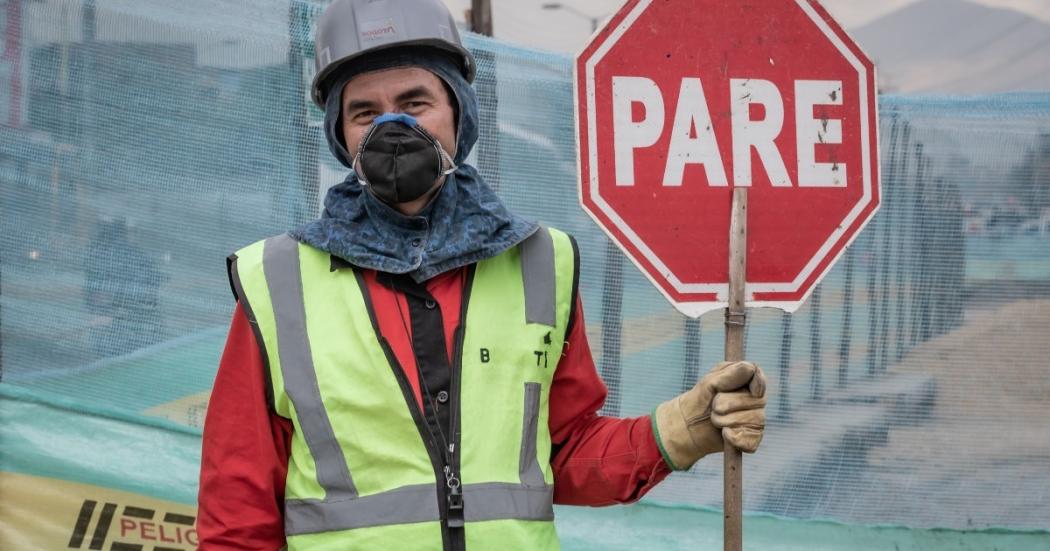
(679, 101)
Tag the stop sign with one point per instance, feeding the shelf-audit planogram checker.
(679, 101)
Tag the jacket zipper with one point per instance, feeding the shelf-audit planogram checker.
(455, 504)
(454, 499)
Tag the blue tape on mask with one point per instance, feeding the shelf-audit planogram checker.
(407, 120)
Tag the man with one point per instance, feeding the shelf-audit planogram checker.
(411, 371)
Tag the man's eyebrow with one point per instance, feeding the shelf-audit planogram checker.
(413, 93)
(410, 94)
(359, 104)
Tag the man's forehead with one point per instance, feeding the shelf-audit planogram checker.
(391, 82)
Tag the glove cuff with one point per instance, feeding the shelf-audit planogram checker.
(660, 442)
(673, 436)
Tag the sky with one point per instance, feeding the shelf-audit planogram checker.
(855, 13)
(526, 22)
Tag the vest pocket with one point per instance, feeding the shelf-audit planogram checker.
(528, 464)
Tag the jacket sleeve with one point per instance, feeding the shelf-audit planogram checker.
(244, 456)
(596, 460)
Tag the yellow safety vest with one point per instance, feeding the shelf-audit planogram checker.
(363, 472)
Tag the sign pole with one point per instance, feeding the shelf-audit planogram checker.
(734, 351)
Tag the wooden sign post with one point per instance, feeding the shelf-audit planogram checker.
(735, 319)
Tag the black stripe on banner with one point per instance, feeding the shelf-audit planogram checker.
(83, 520)
(179, 519)
(103, 526)
(138, 512)
(120, 546)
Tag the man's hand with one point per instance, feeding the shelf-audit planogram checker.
(729, 402)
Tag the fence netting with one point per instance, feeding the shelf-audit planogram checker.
(144, 141)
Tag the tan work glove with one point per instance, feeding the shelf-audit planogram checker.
(729, 402)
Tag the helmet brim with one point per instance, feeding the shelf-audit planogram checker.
(323, 80)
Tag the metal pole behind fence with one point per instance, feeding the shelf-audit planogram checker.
(846, 340)
(901, 133)
(900, 210)
(488, 99)
(871, 304)
(612, 324)
(692, 336)
(957, 283)
(305, 156)
(880, 261)
(784, 379)
(481, 16)
(884, 302)
(816, 385)
(937, 248)
(925, 260)
(917, 266)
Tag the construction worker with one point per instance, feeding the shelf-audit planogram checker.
(411, 370)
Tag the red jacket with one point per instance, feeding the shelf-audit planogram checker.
(596, 460)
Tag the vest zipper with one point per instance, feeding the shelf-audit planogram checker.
(455, 510)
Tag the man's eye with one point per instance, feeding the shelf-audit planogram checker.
(364, 116)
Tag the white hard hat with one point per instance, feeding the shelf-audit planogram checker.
(349, 29)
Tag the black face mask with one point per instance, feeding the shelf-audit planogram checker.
(399, 160)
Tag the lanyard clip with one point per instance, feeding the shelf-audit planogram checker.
(455, 507)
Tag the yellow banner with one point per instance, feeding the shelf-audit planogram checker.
(47, 513)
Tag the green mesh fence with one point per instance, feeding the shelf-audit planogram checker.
(143, 141)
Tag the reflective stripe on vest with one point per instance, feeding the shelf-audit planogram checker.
(342, 508)
(281, 266)
(538, 277)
